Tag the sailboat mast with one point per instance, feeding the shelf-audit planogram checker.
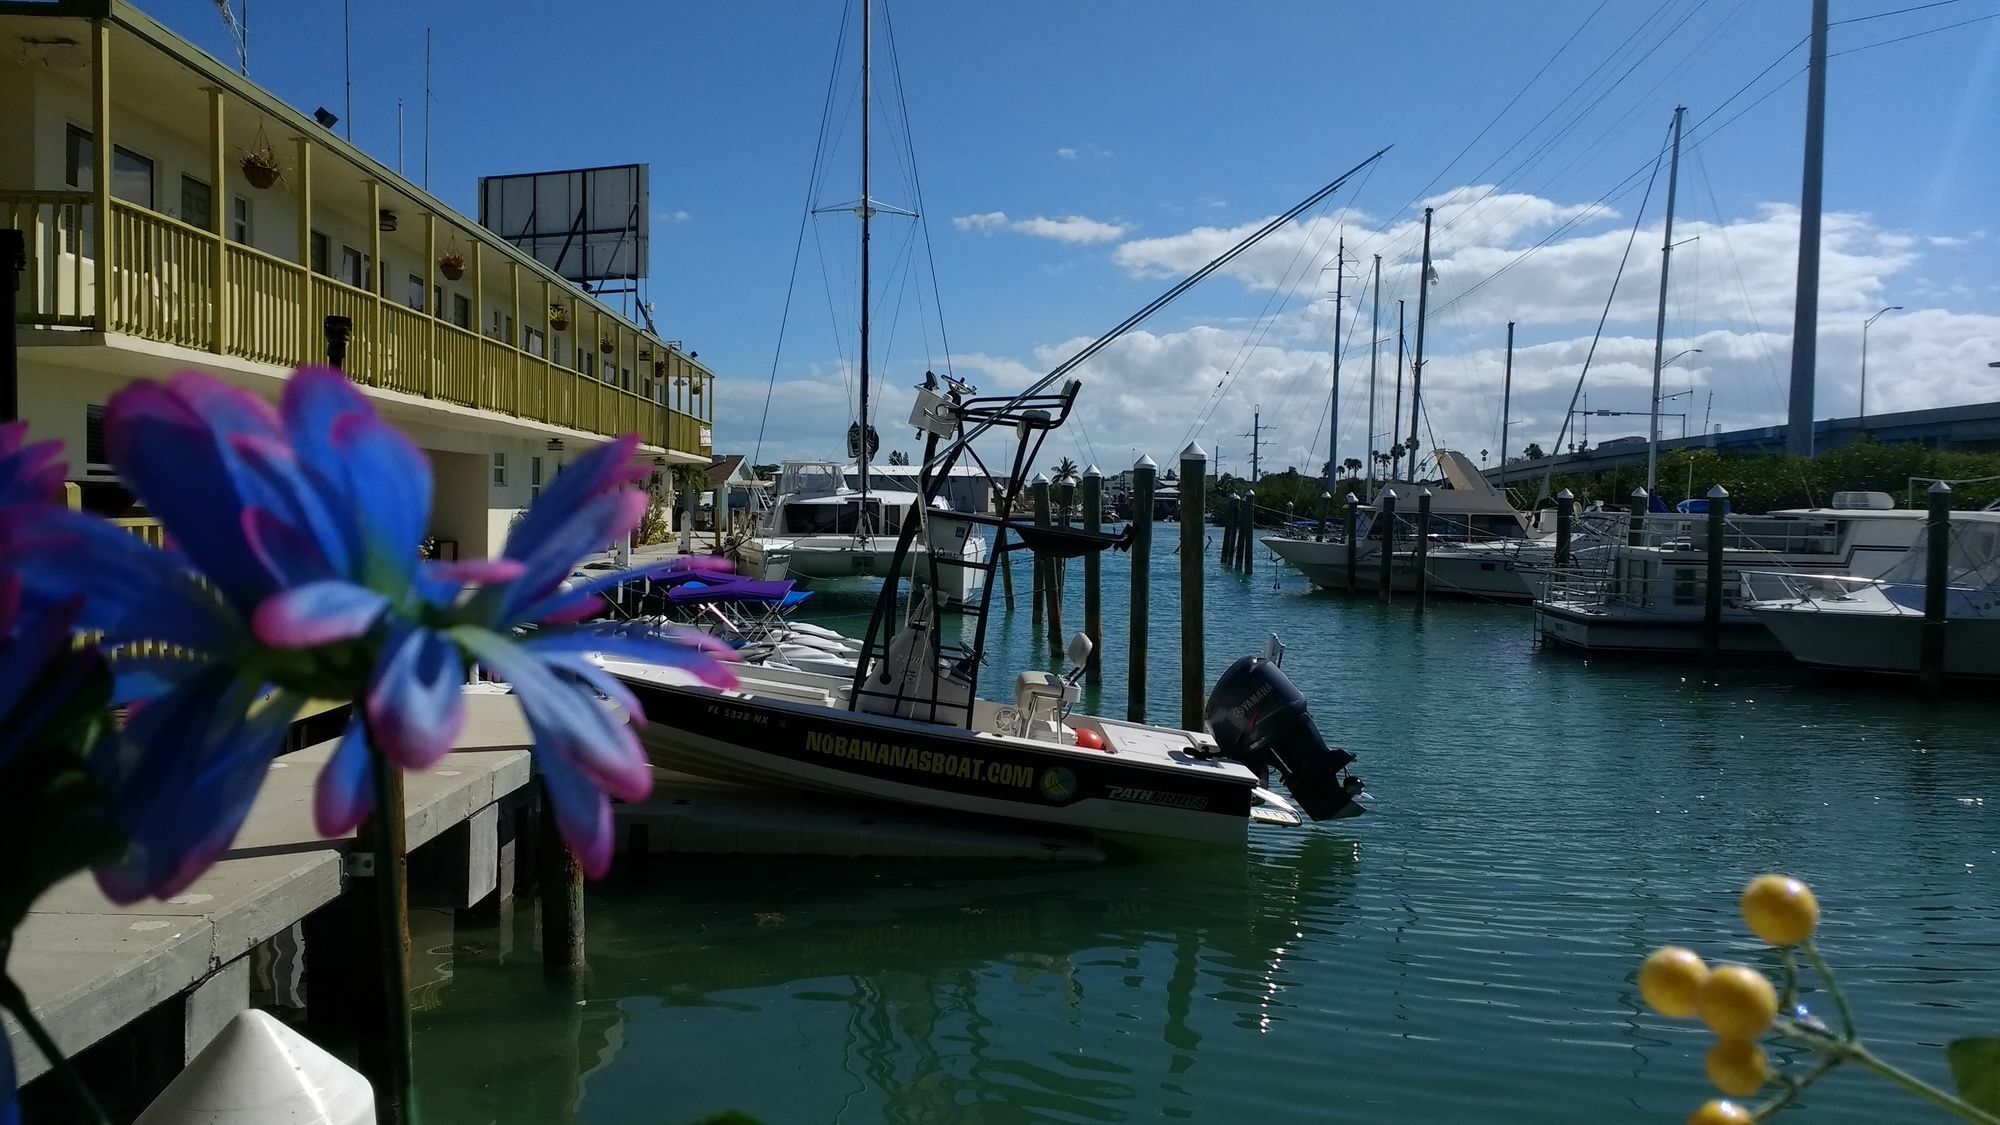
(867, 213)
(1506, 402)
(1395, 416)
(1417, 362)
(1333, 421)
(1374, 360)
(1660, 322)
(1805, 307)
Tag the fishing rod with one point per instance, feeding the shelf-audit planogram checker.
(1166, 298)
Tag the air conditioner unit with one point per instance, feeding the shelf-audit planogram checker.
(1864, 501)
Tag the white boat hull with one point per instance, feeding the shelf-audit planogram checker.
(1496, 575)
(1828, 638)
(836, 557)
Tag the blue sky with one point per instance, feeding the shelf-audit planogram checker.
(1074, 158)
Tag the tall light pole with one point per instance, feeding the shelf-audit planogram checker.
(1862, 421)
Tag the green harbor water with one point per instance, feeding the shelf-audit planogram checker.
(1464, 953)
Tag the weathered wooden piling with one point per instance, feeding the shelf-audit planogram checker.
(1635, 527)
(1228, 522)
(1711, 602)
(559, 887)
(1058, 572)
(1194, 489)
(1093, 608)
(1423, 549)
(1325, 509)
(1142, 579)
(1353, 546)
(386, 1046)
(1565, 519)
(1385, 517)
(1246, 539)
(1937, 574)
(1038, 489)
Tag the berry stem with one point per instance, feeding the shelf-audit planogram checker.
(1919, 1087)
(1832, 986)
(1791, 992)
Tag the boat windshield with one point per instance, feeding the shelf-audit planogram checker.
(843, 518)
(810, 478)
(1972, 563)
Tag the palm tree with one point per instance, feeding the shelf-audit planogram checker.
(1066, 471)
(1352, 465)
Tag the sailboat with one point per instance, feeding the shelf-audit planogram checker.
(820, 528)
(910, 726)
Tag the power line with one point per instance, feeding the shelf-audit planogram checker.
(1897, 12)
(1915, 35)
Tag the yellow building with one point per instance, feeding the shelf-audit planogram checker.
(150, 250)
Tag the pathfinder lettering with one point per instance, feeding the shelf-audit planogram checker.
(1156, 797)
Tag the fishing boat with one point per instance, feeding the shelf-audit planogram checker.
(910, 725)
(1844, 623)
(820, 529)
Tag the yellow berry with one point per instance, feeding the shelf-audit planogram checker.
(1671, 979)
(1780, 909)
(1737, 1002)
(1721, 1113)
(1738, 1067)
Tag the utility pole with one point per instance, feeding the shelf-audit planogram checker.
(1374, 358)
(1333, 421)
(1506, 401)
(1660, 323)
(1805, 306)
(1256, 440)
(1417, 362)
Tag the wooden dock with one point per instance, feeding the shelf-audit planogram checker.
(91, 968)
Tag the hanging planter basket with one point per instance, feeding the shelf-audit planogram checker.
(558, 318)
(260, 168)
(452, 265)
(608, 347)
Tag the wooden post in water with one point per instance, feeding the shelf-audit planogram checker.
(1247, 538)
(1353, 548)
(387, 1056)
(1058, 575)
(1006, 563)
(1290, 518)
(1194, 488)
(1325, 506)
(1039, 490)
(559, 884)
(1385, 517)
(1423, 549)
(1142, 579)
(1711, 602)
(1565, 518)
(1937, 573)
(1229, 531)
(1093, 608)
(1635, 530)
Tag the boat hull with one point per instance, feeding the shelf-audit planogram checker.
(839, 557)
(1616, 630)
(1892, 643)
(1493, 576)
(801, 746)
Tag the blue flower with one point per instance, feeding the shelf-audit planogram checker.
(306, 523)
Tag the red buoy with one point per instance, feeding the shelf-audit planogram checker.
(1089, 739)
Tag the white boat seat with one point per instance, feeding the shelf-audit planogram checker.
(1040, 697)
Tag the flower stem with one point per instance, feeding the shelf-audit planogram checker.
(396, 1103)
(16, 1003)
(1833, 986)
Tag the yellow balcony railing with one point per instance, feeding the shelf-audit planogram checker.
(164, 286)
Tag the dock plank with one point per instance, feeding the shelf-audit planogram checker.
(90, 967)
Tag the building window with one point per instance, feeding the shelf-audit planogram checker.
(79, 159)
(355, 268)
(416, 293)
(197, 203)
(241, 228)
(499, 470)
(131, 176)
(534, 479)
(533, 342)
(93, 437)
(610, 373)
(320, 252)
(461, 311)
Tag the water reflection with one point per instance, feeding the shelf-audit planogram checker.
(928, 993)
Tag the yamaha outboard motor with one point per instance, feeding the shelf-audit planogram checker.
(1260, 720)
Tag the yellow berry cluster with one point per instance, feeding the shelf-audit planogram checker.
(1735, 1001)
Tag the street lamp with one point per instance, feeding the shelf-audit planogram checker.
(1678, 354)
(1862, 421)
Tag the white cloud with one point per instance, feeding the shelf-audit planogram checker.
(1066, 153)
(672, 217)
(1073, 229)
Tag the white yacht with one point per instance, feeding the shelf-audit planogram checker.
(820, 529)
(1876, 625)
(1648, 598)
(1480, 545)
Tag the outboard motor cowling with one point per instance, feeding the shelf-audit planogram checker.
(1259, 719)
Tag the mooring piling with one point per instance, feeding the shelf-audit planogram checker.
(1228, 522)
(1353, 548)
(1142, 578)
(1711, 602)
(1194, 487)
(1001, 558)
(1937, 574)
(1635, 527)
(1038, 489)
(1423, 549)
(1247, 538)
(1325, 508)
(1093, 609)
(1385, 517)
